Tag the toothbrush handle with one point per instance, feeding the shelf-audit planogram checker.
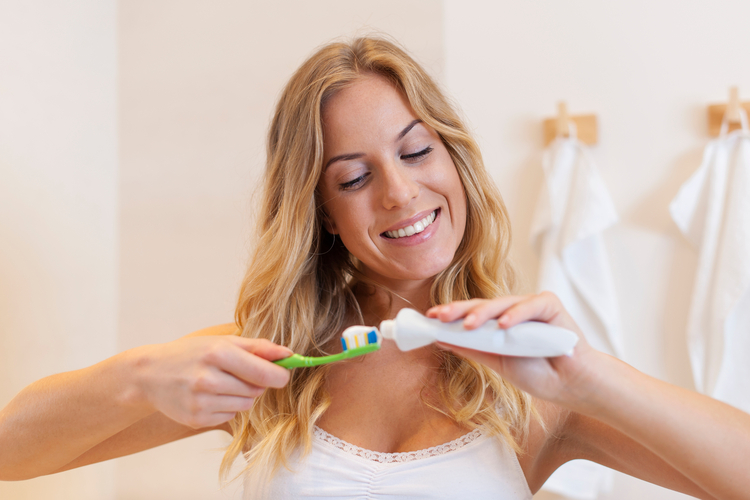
(298, 361)
(293, 361)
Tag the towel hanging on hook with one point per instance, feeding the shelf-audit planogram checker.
(712, 209)
(573, 210)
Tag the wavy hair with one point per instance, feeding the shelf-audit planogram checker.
(298, 288)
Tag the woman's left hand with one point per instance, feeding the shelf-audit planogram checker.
(559, 379)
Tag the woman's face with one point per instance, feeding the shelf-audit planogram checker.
(389, 187)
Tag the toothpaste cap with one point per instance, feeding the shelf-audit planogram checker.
(388, 329)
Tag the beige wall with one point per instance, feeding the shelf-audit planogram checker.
(58, 185)
(648, 70)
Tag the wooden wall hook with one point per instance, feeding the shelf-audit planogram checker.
(585, 125)
(730, 109)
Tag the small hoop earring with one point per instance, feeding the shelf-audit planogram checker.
(332, 244)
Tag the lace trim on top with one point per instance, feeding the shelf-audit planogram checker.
(406, 456)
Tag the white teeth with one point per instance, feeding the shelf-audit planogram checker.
(418, 227)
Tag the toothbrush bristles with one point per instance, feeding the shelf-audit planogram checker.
(359, 340)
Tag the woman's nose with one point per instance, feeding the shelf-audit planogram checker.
(398, 187)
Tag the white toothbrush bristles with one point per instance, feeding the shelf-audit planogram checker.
(359, 336)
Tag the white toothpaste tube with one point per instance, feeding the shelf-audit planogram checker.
(411, 330)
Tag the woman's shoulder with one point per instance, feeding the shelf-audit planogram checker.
(223, 329)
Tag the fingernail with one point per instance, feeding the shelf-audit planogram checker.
(502, 320)
(470, 319)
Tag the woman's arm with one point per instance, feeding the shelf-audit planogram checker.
(620, 416)
(135, 400)
(706, 440)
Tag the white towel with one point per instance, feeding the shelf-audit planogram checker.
(712, 209)
(573, 210)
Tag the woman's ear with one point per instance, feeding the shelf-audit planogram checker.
(329, 225)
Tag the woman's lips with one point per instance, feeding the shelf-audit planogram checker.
(410, 221)
(417, 237)
(415, 228)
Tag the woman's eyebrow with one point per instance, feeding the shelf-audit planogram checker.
(407, 129)
(354, 156)
(350, 156)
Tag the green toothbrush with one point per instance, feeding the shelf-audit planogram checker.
(356, 340)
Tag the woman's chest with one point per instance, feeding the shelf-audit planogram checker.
(387, 411)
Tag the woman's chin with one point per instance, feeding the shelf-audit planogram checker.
(416, 271)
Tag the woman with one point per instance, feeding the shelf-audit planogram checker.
(376, 199)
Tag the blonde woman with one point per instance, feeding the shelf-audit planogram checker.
(363, 145)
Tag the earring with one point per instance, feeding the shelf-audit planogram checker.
(332, 244)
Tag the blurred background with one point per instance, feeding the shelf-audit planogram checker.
(132, 140)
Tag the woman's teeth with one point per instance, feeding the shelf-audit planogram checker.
(418, 227)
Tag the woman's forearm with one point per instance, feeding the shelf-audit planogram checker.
(196, 383)
(56, 419)
(706, 440)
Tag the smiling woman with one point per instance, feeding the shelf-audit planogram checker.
(379, 150)
(376, 199)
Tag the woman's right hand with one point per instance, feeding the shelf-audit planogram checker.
(203, 381)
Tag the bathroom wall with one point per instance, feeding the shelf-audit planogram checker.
(648, 70)
(58, 207)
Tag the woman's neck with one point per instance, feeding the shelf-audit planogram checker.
(384, 302)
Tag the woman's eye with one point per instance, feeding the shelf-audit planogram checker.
(418, 156)
(353, 184)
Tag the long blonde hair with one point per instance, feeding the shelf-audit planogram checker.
(298, 288)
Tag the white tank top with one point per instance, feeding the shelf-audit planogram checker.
(474, 466)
